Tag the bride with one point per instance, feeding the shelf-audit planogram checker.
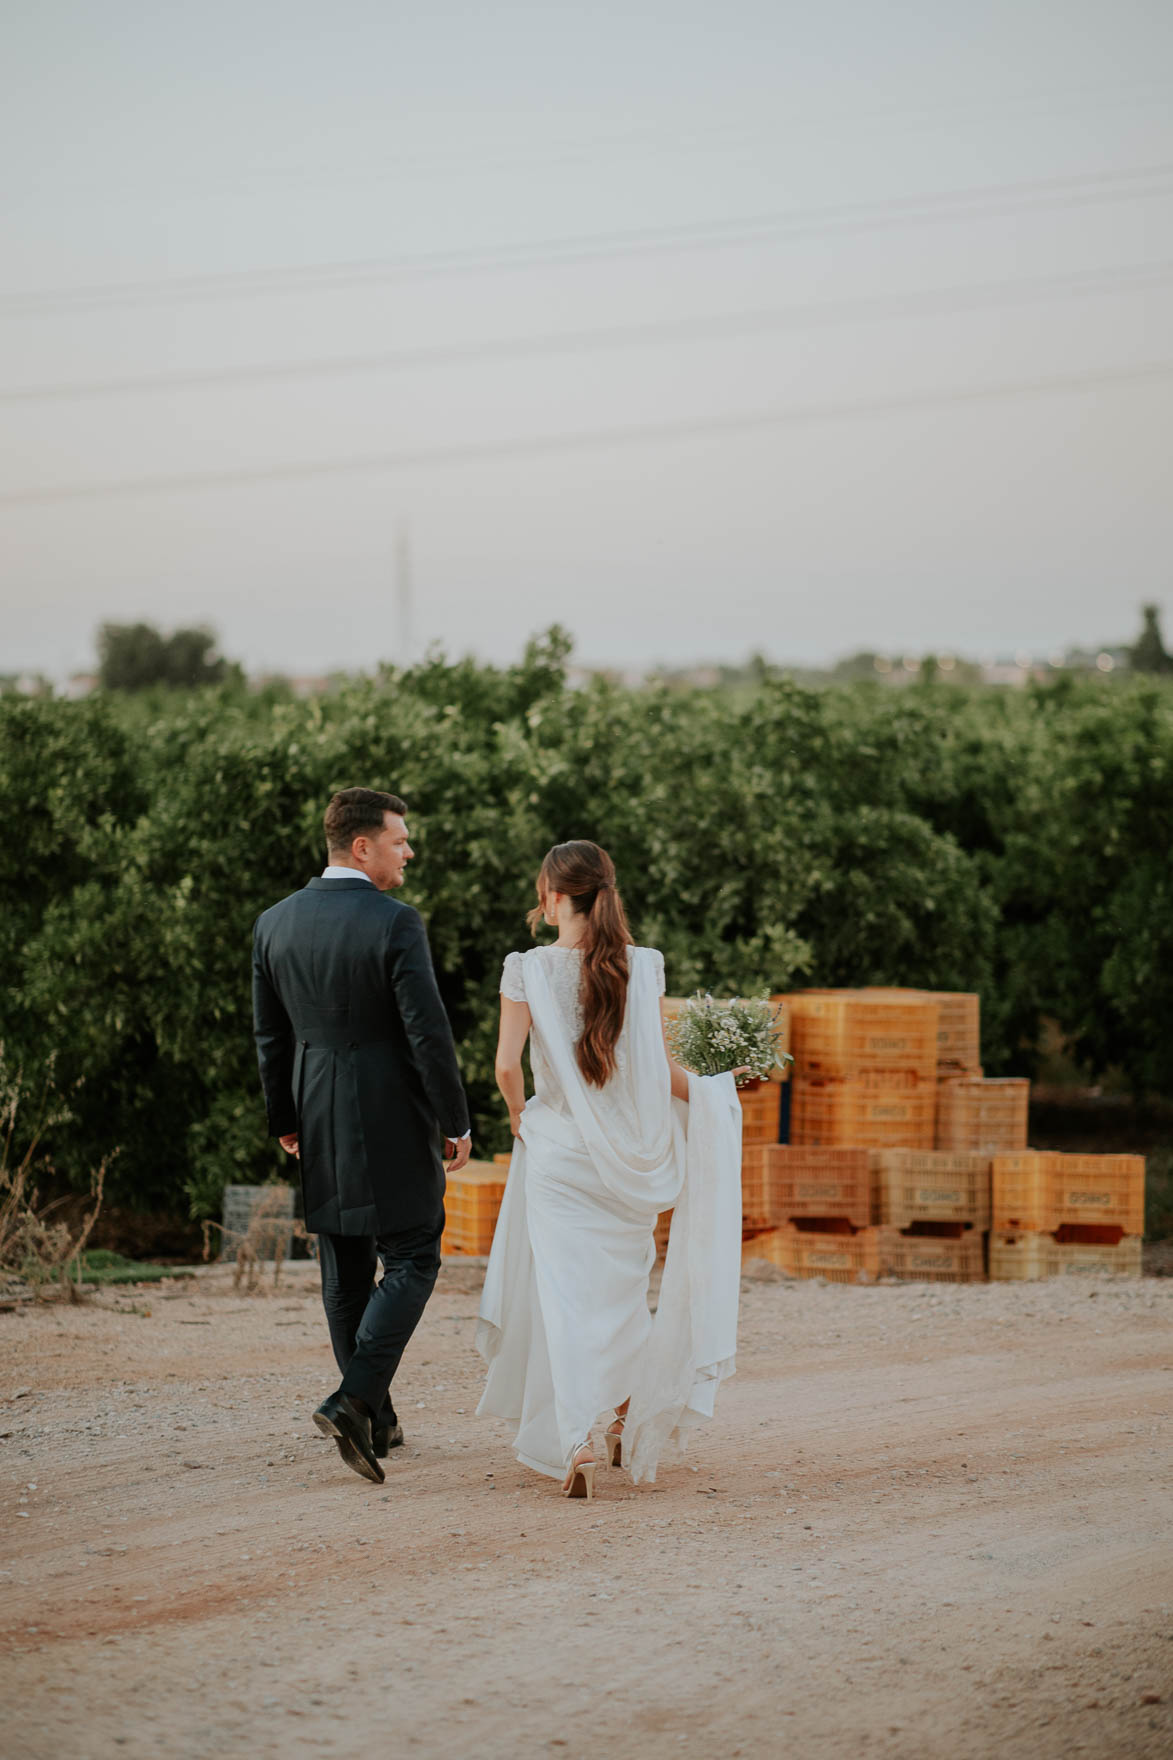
(615, 1133)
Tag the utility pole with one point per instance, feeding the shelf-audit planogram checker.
(404, 634)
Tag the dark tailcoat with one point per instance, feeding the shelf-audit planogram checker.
(356, 1055)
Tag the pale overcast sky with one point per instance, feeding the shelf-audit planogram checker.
(879, 300)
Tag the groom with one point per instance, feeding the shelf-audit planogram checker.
(361, 1082)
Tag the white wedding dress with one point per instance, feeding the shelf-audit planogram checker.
(565, 1325)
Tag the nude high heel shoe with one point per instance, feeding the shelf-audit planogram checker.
(613, 1437)
(580, 1479)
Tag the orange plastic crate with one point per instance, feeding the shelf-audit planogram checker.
(856, 1114)
(927, 1258)
(760, 1111)
(820, 1183)
(471, 1204)
(759, 1208)
(663, 1224)
(782, 1004)
(839, 1033)
(1040, 1190)
(840, 1258)
(1027, 1257)
(928, 1185)
(959, 1027)
(975, 1112)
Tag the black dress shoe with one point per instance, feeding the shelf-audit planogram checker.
(385, 1437)
(340, 1418)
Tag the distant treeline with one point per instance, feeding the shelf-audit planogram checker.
(1017, 844)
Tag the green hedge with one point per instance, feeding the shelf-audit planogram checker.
(1012, 843)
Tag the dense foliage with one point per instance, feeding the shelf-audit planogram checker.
(1014, 843)
(135, 656)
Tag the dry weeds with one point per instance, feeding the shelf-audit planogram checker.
(38, 1248)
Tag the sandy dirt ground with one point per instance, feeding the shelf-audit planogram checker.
(929, 1521)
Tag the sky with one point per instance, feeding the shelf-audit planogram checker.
(701, 329)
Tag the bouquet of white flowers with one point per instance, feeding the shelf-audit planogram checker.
(708, 1036)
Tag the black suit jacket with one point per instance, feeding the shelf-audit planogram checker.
(356, 1056)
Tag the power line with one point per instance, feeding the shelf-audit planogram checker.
(762, 321)
(977, 203)
(544, 445)
(645, 137)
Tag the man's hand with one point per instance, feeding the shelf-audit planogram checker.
(290, 1144)
(456, 1154)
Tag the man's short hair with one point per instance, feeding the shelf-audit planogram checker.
(354, 812)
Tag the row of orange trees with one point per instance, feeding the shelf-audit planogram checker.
(1016, 843)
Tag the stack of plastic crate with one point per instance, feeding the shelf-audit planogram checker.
(760, 1111)
(865, 1069)
(471, 1204)
(933, 1210)
(820, 1199)
(761, 1106)
(1056, 1214)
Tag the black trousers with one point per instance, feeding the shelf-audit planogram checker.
(370, 1322)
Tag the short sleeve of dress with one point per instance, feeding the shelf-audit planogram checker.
(513, 978)
(658, 969)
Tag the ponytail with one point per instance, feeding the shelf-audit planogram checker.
(586, 874)
(605, 972)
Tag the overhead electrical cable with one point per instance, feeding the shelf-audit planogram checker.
(540, 446)
(962, 297)
(977, 203)
(646, 136)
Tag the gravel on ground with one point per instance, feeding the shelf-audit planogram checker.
(930, 1522)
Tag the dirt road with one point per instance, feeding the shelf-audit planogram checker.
(931, 1521)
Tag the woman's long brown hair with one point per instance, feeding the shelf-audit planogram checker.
(586, 874)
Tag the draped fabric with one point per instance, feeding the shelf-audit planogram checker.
(564, 1323)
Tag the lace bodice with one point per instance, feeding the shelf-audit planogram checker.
(563, 969)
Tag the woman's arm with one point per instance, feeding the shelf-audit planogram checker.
(515, 1025)
(679, 1075)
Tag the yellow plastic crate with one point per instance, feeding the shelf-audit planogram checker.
(663, 1225)
(959, 1027)
(977, 1112)
(818, 1182)
(858, 1114)
(840, 1258)
(927, 1258)
(928, 1185)
(758, 1204)
(840, 1033)
(1028, 1257)
(471, 1205)
(761, 1109)
(1041, 1190)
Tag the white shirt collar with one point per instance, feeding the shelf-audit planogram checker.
(331, 872)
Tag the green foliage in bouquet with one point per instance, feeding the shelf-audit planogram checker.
(709, 1037)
